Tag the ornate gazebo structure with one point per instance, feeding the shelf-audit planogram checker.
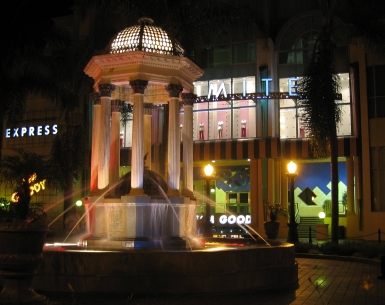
(143, 66)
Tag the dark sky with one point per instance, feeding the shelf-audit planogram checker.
(57, 8)
(33, 9)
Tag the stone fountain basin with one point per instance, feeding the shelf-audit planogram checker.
(209, 270)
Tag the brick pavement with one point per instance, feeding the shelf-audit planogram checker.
(333, 281)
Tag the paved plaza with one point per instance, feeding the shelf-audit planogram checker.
(344, 281)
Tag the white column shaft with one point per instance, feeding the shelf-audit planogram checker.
(104, 142)
(137, 142)
(147, 139)
(95, 149)
(187, 138)
(174, 144)
(115, 148)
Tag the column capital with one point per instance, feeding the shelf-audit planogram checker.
(106, 89)
(139, 85)
(174, 90)
(95, 97)
(189, 99)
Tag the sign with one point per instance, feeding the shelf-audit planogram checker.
(216, 91)
(230, 219)
(31, 131)
(34, 187)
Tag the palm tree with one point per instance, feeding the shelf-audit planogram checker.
(320, 83)
(23, 66)
(20, 171)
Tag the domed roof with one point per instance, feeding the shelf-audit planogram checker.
(145, 37)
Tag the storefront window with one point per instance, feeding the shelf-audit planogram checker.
(291, 125)
(228, 118)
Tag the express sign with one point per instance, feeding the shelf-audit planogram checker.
(31, 131)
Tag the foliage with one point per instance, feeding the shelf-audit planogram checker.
(319, 88)
(20, 172)
(274, 210)
(327, 207)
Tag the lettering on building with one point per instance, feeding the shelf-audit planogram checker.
(31, 131)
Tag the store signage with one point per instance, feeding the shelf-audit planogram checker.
(224, 219)
(234, 219)
(292, 84)
(216, 91)
(34, 187)
(31, 131)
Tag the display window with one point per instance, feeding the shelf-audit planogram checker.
(291, 125)
(225, 119)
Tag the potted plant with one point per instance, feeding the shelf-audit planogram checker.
(272, 226)
(22, 226)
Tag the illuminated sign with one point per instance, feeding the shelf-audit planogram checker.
(33, 187)
(31, 131)
(221, 88)
(234, 219)
(215, 91)
(225, 220)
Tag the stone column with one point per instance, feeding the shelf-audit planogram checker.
(137, 138)
(350, 184)
(173, 154)
(148, 137)
(187, 140)
(115, 142)
(95, 97)
(104, 136)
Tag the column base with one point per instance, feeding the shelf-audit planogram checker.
(187, 193)
(173, 192)
(137, 192)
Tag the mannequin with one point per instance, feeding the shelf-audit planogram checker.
(201, 131)
(121, 138)
(220, 129)
(243, 128)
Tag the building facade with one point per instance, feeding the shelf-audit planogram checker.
(246, 123)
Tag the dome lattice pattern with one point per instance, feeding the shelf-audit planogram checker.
(145, 37)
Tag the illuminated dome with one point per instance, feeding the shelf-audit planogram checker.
(145, 37)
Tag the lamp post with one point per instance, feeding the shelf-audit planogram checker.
(208, 231)
(293, 233)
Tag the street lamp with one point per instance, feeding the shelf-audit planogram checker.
(208, 231)
(293, 233)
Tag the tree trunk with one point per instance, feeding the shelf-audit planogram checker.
(334, 184)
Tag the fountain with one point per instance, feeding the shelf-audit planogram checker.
(141, 229)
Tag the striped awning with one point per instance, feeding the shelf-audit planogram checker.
(237, 149)
(300, 148)
(254, 148)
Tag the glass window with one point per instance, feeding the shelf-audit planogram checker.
(219, 56)
(290, 114)
(244, 125)
(244, 85)
(201, 88)
(244, 52)
(225, 119)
